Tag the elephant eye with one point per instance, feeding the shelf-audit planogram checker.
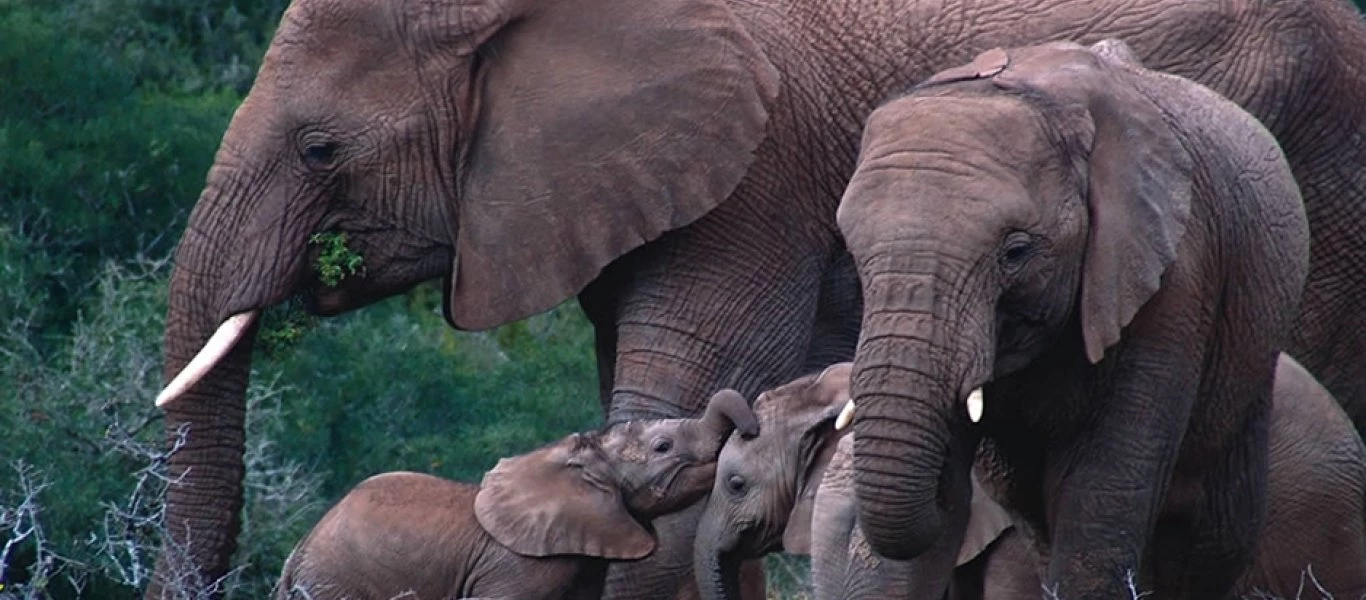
(320, 155)
(1017, 250)
(736, 484)
(663, 446)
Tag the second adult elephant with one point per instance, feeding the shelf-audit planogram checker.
(675, 163)
(1116, 256)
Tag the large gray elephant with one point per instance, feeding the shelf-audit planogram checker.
(675, 163)
(1117, 256)
(541, 526)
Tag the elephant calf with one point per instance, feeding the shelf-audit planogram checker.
(541, 526)
(791, 488)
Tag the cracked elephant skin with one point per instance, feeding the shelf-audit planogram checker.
(688, 158)
(1115, 256)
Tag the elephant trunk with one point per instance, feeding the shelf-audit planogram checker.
(205, 431)
(729, 411)
(716, 563)
(223, 277)
(906, 384)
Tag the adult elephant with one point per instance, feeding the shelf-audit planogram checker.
(676, 163)
(1115, 256)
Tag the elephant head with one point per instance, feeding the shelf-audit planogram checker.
(1032, 198)
(766, 484)
(593, 494)
(513, 147)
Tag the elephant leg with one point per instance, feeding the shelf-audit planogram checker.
(1204, 552)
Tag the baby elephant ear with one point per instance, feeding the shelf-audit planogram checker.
(816, 445)
(548, 502)
(986, 522)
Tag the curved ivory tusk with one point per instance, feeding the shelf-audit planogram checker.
(975, 405)
(846, 416)
(214, 350)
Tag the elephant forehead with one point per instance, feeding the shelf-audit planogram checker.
(908, 130)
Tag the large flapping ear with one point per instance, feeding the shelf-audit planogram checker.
(1140, 178)
(601, 124)
(987, 520)
(816, 442)
(547, 503)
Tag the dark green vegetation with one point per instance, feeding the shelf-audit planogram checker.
(110, 113)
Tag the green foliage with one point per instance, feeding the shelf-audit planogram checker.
(336, 260)
(83, 460)
(101, 156)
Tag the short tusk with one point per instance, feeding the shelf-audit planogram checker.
(214, 350)
(975, 405)
(846, 416)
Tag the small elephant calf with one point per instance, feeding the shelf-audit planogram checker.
(541, 526)
(791, 488)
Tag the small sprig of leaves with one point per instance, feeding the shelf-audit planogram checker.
(282, 327)
(336, 261)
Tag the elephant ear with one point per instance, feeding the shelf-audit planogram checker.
(987, 520)
(817, 440)
(601, 124)
(1140, 179)
(549, 502)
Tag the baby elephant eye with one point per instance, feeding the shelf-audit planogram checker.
(736, 484)
(662, 446)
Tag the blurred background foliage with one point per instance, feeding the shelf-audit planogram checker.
(110, 114)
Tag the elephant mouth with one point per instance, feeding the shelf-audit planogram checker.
(682, 485)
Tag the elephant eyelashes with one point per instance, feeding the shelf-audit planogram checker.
(663, 446)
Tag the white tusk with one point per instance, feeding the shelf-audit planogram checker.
(846, 416)
(975, 405)
(214, 350)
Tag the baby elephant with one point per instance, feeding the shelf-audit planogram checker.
(791, 488)
(541, 526)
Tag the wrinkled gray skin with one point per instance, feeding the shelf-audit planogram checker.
(1116, 255)
(527, 151)
(541, 526)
